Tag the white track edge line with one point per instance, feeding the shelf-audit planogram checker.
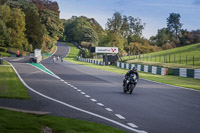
(132, 125)
(76, 108)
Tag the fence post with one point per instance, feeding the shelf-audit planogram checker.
(193, 60)
(164, 58)
(186, 59)
(143, 57)
(174, 59)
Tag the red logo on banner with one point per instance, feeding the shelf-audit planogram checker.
(113, 50)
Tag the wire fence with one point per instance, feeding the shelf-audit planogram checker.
(170, 58)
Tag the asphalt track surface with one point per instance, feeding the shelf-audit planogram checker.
(152, 108)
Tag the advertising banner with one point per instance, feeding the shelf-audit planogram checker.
(110, 50)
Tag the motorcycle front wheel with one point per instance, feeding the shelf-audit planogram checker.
(125, 90)
(131, 87)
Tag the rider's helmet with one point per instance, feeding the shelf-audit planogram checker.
(134, 69)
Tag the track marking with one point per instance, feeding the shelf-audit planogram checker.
(83, 93)
(100, 104)
(78, 90)
(93, 100)
(65, 82)
(62, 80)
(18, 59)
(75, 88)
(132, 125)
(120, 116)
(108, 109)
(71, 86)
(87, 96)
(55, 76)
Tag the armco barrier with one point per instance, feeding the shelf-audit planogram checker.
(97, 62)
(144, 68)
(184, 72)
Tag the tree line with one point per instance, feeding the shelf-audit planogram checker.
(29, 24)
(125, 32)
(173, 35)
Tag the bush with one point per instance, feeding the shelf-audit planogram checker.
(2, 49)
(3, 54)
(85, 53)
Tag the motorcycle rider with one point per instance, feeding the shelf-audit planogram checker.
(133, 71)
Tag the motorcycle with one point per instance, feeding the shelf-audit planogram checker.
(130, 84)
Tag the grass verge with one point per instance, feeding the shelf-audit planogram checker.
(10, 85)
(172, 80)
(17, 122)
(181, 57)
(5, 63)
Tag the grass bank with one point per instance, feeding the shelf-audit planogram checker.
(172, 80)
(17, 122)
(10, 85)
(187, 57)
(5, 63)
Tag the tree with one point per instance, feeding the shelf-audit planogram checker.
(13, 22)
(53, 25)
(114, 24)
(5, 39)
(89, 35)
(173, 23)
(128, 27)
(3, 1)
(34, 29)
(17, 25)
(162, 36)
(46, 4)
(78, 29)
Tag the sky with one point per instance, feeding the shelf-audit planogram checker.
(152, 12)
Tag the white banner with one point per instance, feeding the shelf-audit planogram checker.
(112, 50)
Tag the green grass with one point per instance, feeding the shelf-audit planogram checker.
(171, 58)
(10, 85)
(173, 80)
(5, 63)
(3, 54)
(17, 122)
